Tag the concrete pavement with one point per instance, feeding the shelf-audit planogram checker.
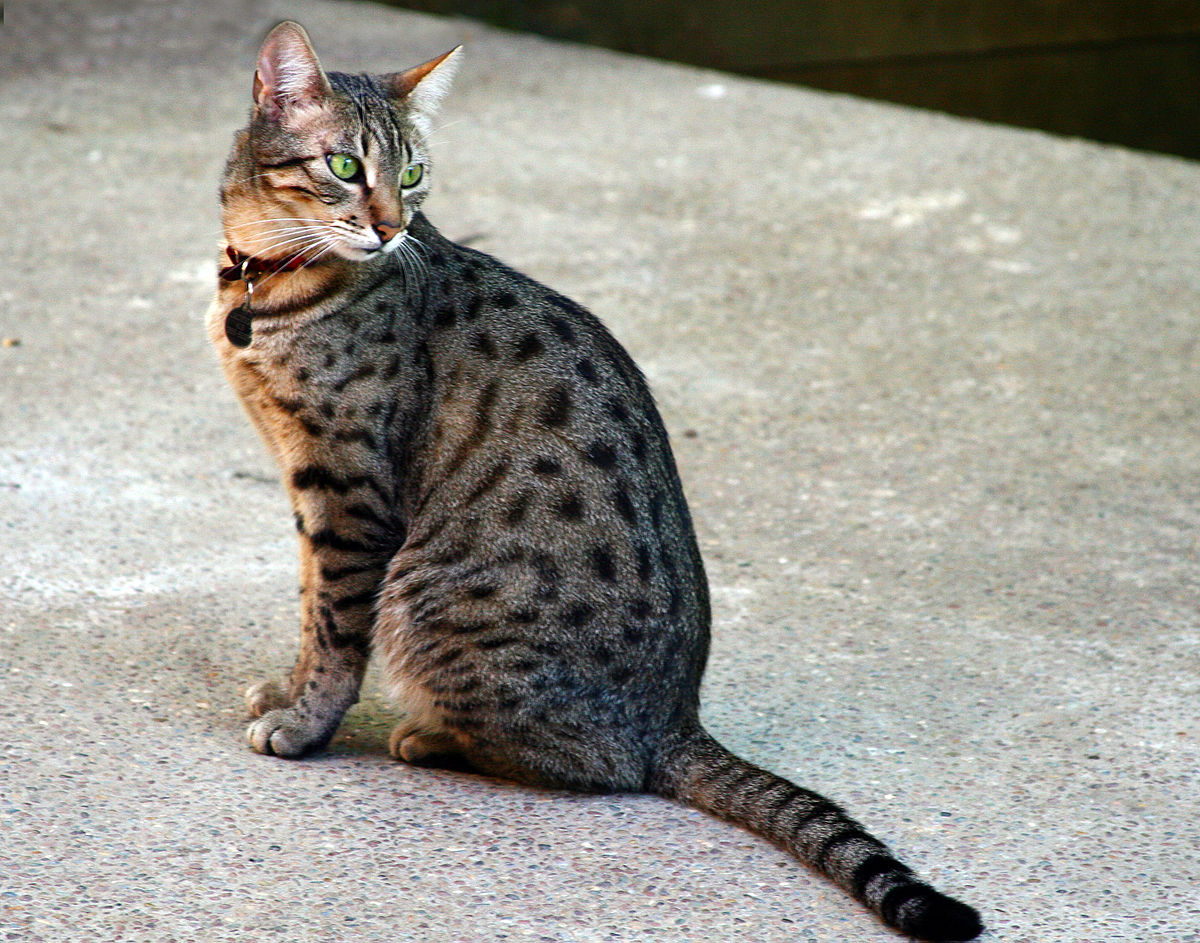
(934, 394)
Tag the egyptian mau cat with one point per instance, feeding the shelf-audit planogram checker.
(483, 489)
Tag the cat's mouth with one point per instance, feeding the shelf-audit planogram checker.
(393, 241)
(387, 241)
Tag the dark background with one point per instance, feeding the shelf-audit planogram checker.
(1121, 71)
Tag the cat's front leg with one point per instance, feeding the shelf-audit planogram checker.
(301, 715)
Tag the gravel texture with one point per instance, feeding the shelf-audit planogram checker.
(934, 393)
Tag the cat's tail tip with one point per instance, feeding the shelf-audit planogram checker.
(701, 773)
(926, 914)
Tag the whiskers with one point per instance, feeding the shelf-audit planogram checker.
(293, 243)
(311, 252)
(270, 225)
(242, 181)
(436, 133)
(414, 266)
(287, 239)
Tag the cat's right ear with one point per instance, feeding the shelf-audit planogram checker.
(289, 75)
(423, 87)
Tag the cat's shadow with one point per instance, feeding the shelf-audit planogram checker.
(366, 728)
(364, 736)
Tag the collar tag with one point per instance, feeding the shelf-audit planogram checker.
(239, 326)
(239, 323)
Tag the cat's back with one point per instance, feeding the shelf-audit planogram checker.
(550, 537)
(532, 390)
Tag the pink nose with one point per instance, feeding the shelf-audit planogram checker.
(386, 230)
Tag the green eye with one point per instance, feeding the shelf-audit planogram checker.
(344, 166)
(412, 175)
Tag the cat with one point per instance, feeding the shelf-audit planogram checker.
(483, 489)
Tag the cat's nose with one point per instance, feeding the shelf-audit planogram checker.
(386, 231)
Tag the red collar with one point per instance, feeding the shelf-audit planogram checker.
(246, 268)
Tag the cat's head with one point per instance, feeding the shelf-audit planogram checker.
(330, 164)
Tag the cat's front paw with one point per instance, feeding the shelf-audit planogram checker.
(265, 696)
(286, 732)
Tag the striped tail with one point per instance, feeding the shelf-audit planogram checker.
(701, 773)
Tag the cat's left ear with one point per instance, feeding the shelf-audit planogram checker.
(424, 86)
(289, 75)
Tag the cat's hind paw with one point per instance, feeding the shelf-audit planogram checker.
(424, 749)
(401, 732)
(265, 696)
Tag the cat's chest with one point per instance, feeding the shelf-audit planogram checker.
(325, 395)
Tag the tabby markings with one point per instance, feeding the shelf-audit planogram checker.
(527, 347)
(601, 454)
(556, 411)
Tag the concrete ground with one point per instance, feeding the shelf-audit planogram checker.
(934, 393)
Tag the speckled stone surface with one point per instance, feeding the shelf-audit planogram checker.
(935, 395)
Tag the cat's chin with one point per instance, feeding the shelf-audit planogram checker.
(354, 254)
(360, 254)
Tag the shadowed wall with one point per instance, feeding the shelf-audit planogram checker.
(1120, 71)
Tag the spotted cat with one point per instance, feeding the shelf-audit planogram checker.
(483, 489)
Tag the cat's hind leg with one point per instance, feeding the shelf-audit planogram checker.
(419, 738)
(426, 749)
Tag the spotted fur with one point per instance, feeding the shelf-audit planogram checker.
(483, 491)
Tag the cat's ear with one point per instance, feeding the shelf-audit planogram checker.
(424, 86)
(289, 75)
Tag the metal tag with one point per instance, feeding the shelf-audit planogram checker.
(239, 326)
